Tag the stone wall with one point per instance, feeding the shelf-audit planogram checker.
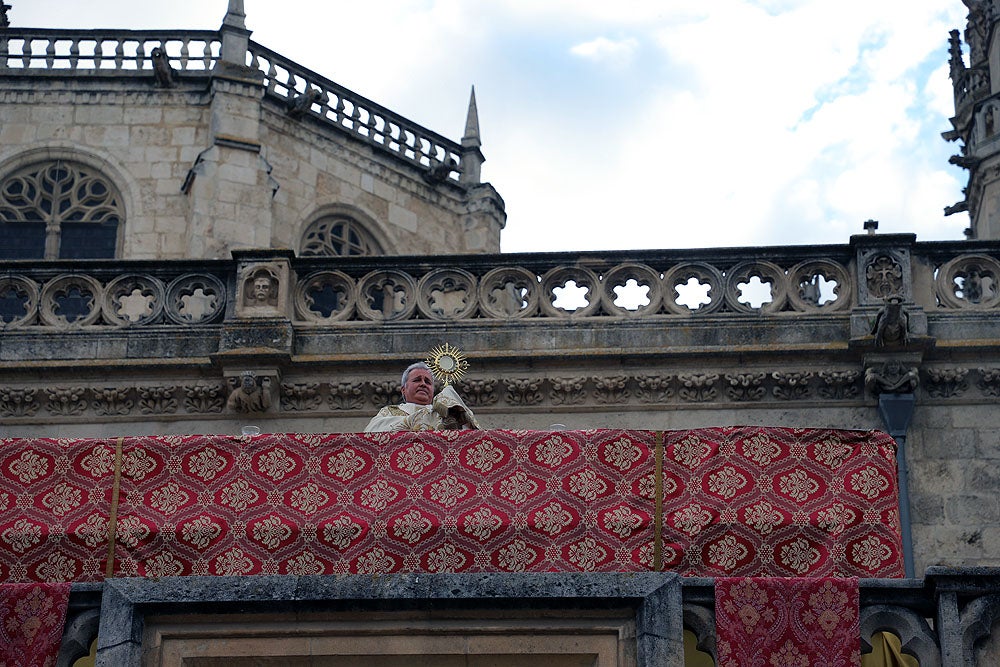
(161, 346)
(220, 157)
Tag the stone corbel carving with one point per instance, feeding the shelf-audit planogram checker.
(891, 377)
(251, 392)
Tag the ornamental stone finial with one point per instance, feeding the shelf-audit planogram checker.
(4, 21)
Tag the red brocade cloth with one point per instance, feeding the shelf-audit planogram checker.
(735, 501)
(788, 622)
(31, 623)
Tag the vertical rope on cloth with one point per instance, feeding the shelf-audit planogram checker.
(658, 513)
(113, 517)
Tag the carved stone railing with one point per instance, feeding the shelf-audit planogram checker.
(763, 282)
(109, 52)
(303, 92)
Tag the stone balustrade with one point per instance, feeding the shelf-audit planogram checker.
(125, 53)
(35, 51)
(778, 282)
(306, 92)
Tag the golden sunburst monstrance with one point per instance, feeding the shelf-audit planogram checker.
(447, 363)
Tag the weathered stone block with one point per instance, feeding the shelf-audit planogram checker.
(972, 510)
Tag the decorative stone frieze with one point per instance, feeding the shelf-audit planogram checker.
(611, 390)
(479, 392)
(66, 401)
(989, 381)
(946, 382)
(654, 388)
(838, 384)
(204, 398)
(300, 397)
(157, 400)
(350, 395)
(791, 385)
(16, 402)
(698, 387)
(112, 400)
(745, 386)
(385, 392)
(523, 391)
(567, 391)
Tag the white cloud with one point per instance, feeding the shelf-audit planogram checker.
(724, 123)
(603, 49)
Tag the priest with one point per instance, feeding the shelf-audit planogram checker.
(422, 410)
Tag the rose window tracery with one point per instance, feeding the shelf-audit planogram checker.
(59, 209)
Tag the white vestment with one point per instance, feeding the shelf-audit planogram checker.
(415, 417)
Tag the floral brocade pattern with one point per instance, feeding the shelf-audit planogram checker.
(31, 623)
(734, 502)
(787, 622)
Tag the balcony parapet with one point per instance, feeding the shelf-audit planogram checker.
(104, 52)
(782, 282)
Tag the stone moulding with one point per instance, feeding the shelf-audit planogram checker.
(651, 602)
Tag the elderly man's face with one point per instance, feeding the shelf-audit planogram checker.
(419, 387)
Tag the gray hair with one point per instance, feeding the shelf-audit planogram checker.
(419, 364)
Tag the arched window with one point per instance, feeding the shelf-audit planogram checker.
(58, 209)
(339, 235)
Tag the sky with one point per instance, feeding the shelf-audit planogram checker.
(642, 124)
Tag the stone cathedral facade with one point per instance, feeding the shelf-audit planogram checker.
(198, 234)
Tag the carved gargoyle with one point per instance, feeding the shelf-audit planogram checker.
(249, 393)
(300, 104)
(162, 70)
(892, 324)
(438, 171)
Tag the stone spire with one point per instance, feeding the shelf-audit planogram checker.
(472, 156)
(976, 122)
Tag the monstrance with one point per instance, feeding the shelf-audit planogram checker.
(447, 363)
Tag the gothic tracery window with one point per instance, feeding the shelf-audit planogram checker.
(58, 210)
(339, 235)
